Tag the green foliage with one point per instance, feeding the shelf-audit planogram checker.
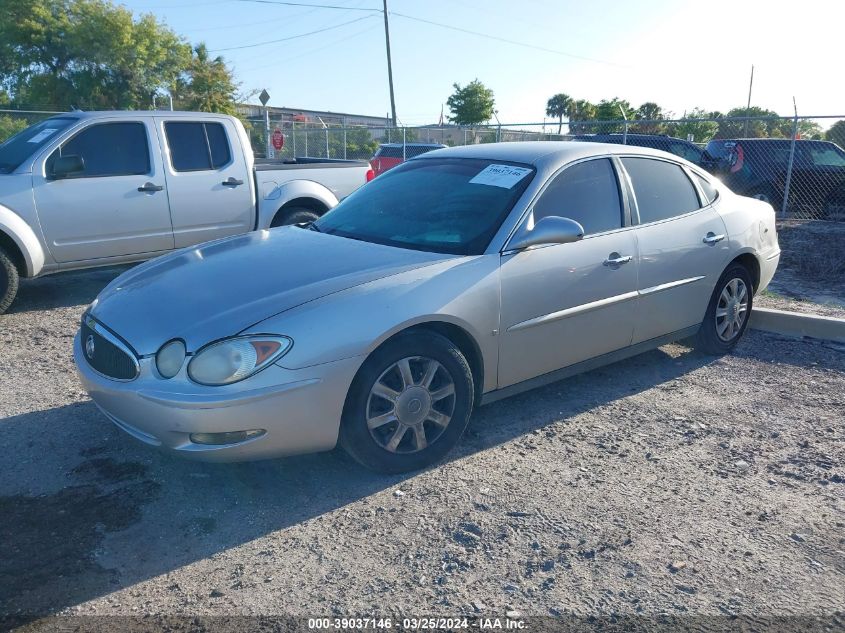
(10, 126)
(92, 54)
(581, 110)
(471, 104)
(611, 110)
(836, 133)
(702, 131)
(654, 115)
(557, 107)
(810, 130)
(764, 125)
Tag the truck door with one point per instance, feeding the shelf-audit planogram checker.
(116, 205)
(208, 180)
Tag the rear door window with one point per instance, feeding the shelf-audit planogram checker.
(197, 146)
(662, 189)
(588, 193)
(108, 149)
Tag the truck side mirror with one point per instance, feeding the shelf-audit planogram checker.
(64, 166)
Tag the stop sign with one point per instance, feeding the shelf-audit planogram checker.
(278, 139)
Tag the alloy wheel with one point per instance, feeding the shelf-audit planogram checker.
(410, 405)
(732, 309)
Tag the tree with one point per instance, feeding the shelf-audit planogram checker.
(557, 107)
(611, 110)
(653, 116)
(10, 126)
(472, 104)
(763, 124)
(692, 124)
(86, 53)
(579, 111)
(836, 133)
(206, 86)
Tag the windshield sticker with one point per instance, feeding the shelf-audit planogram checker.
(505, 176)
(46, 132)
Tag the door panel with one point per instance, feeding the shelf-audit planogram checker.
(201, 157)
(562, 304)
(100, 212)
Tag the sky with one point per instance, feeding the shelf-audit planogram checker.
(678, 53)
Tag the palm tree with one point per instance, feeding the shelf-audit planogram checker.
(558, 106)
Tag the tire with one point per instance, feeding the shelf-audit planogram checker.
(719, 335)
(427, 428)
(9, 280)
(294, 215)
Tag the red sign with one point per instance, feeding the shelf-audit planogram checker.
(278, 139)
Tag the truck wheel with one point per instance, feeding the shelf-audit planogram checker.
(293, 215)
(8, 281)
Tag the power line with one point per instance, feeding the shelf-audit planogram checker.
(315, 6)
(502, 39)
(292, 37)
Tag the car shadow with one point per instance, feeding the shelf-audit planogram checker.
(63, 290)
(123, 513)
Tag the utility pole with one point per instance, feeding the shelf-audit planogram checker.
(748, 107)
(389, 66)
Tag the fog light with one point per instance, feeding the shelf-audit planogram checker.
(230, 437)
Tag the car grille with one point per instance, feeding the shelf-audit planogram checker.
(106, 354)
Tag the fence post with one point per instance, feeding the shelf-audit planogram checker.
(268, 143)
(791, 161)
(293, 134)
(306, 140)
(625, 133)
(344, 143)
(404, 157)
(465, 136)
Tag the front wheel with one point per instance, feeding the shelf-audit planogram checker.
(727, 313)
(8, 281)
(294, 215)
(408, 405)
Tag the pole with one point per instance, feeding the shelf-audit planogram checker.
(625, 133)
(389, 66)
(293, 134)
(270, 153)
(791, 160)
(748, 107)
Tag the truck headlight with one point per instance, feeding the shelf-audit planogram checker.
(234, 359)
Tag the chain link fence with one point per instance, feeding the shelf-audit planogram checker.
(783, 160)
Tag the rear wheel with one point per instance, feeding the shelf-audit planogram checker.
(294, 215)
(8, 281)
(408, 405)
(727, 313)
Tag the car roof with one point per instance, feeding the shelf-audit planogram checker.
(543, 154)
(644, 137)
(178, 114)
(412, 145)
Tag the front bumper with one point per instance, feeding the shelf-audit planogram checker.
(300, 410)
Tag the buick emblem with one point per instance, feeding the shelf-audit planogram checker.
(89, 347)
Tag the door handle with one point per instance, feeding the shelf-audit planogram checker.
(232, 182)
(615, 259)
(150, 188)
(712, 238)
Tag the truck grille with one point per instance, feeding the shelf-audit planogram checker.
(105, 353)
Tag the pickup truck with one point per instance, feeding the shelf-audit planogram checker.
(86, 189)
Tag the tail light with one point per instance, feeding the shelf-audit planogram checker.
(370, 174)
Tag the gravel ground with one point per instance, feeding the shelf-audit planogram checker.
(780, 302)
(669, 483)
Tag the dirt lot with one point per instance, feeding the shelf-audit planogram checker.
(670, 483)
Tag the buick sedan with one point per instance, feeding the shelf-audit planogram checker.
(460, 277)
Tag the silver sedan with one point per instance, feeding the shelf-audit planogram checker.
(458, 278)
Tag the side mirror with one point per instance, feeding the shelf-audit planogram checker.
(549, 230)
(66, 165)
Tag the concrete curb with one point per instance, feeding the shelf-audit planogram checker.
(797, 324)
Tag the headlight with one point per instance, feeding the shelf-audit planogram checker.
(170, 357)
(236, 358)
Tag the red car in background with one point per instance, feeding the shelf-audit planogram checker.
(389, 155)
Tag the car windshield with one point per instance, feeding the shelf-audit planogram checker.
(444, 205)
(24, 144)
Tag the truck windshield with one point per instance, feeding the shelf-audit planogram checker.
(24, 144)
(444, 205)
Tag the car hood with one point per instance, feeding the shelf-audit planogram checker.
(221, 288)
